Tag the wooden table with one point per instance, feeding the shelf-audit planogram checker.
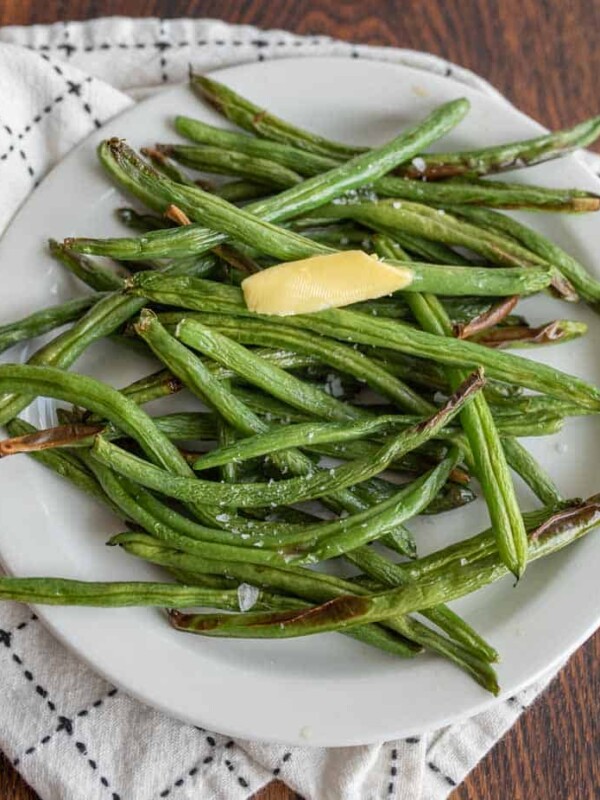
(544, 57)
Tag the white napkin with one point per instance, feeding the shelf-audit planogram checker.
(70, 734)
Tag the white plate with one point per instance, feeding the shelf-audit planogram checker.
(324, 690)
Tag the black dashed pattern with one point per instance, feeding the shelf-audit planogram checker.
(434, 768)
(228, 746)
(48, 108)
(68, 49)
(6, 639)
(515, 702)
(284, 758)
(393, 770)
(64, 725)
(162, 45)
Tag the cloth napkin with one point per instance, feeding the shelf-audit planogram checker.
(70, 734)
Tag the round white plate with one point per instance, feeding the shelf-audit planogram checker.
(325, 690)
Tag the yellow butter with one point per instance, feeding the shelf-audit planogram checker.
(314, 284)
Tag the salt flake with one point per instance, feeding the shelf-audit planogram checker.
(247, 596)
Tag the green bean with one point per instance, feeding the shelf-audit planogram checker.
(530, 425)
(106, 315)
(509, 156)
(64, 464)
(487, 193)
(348, 326)
(103, 400)
(487, 454)
(164, 383)
(165, 166)
(287, 491)
(504, 367)
(304, 585)
(374, 635)
(94, 275)
(324, 539)
(309, 487)
(226, 437)
(222, 162)
(313, 586)
(536, 405)
(433, 252)
(237, 413)
(234, 409)
(158, 192)
(257, 120)
(437, 225)
(374, 371)
(211, 544)
(307, 434)
(586, 285)
(287, 245)
(41, 322)
(65, 592)
(518, 421)
(350, 450)
(431, 376)
(525, 465)
(152, 387)
(168, 525)
(101, 320)
(451, 496)
(380, 568)
(478, 547)
(316, 543)
(178, 426)
(260, 372)
(351, 609)
(437, 165)
(149, 512)
(195, 375)
(429, 223)
(558, 331)
(494, 194)
(269, 407)
(100, 398)
(336, 355)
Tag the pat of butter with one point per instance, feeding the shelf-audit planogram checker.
(330, 281)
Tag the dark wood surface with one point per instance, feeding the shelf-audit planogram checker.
(544, 55)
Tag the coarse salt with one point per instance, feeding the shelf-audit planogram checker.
(247, 596)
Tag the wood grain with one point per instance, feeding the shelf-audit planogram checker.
(544, 56)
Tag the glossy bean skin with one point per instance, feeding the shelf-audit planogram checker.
(158, 191)
(282, 492)
(348, 326)
(41, 322)
(475, 192)
(350, 610)
(247, 115)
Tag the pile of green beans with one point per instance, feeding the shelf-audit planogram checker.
(417, 397)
